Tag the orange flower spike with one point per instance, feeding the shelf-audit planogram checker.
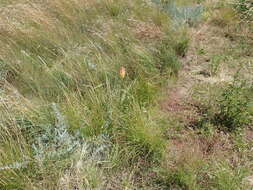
(122, 72)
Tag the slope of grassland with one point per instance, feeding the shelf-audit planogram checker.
(71, 119)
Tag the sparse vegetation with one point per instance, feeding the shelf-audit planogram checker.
(245, 7)
(83, 85)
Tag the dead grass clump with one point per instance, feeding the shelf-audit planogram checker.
(148, 31)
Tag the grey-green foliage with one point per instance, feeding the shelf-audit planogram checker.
(181, 14)
(57, 143)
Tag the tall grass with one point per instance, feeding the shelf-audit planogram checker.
(64, 107)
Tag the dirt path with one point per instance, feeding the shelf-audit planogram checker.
(179, 103)
(205, 43)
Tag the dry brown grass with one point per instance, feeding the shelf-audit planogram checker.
(147, 31)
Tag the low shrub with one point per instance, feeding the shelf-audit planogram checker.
(245, 8)
(233, 108)
(181, 14)
(227, 109)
